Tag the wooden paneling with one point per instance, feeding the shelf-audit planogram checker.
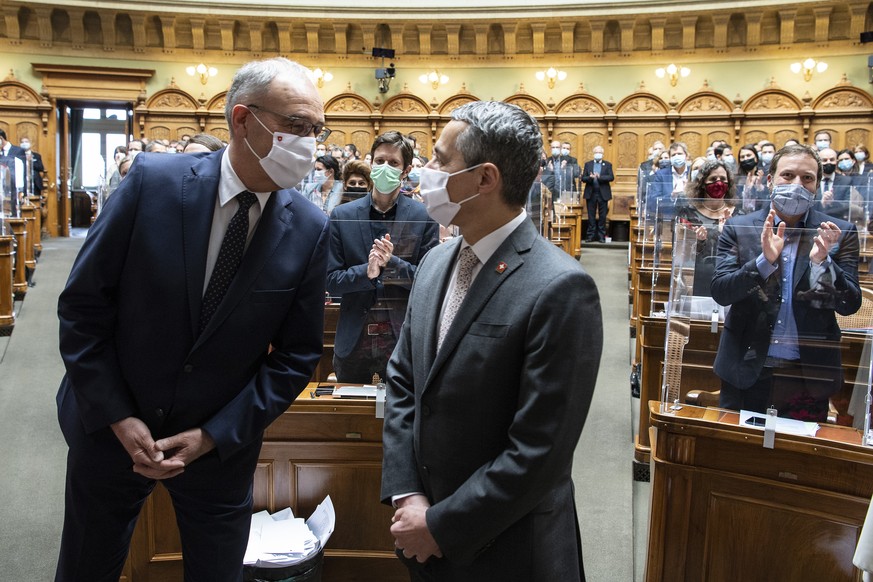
(724, 508)
(319, 447)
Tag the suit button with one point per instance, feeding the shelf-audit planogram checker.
(188, 368)
(424, 469)
(425, 410)
(159, 412)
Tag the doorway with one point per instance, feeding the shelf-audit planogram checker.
(90, 131)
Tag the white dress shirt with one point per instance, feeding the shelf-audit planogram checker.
(229, 185)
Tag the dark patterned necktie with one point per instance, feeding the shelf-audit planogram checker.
(229, 257)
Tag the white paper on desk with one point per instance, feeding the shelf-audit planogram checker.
(783, 425)
(367, 391)
(322, 521)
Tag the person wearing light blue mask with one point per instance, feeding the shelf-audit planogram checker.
(325, 189)
(377, 242)
(822, 140)
(785, 271)
(669, 183)
(410, 184)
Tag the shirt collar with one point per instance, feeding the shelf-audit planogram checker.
(488, 244)
(229, 185)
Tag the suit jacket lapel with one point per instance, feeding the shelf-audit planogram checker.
(489, 279)
(271, 228)
(199, 193)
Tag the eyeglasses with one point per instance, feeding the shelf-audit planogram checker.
(298, 125)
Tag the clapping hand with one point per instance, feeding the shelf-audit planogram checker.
(772, 242)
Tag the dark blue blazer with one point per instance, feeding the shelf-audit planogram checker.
(351, 238)
(606, 176)
(754, 302)
(129, 313)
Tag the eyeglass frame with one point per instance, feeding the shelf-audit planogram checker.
(321, 132)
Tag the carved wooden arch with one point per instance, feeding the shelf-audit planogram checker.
(15, 94)
(217, 102)
(405, 104)
(844, 98)
(172, 99)
(19, 105)
(705, 103)
(348, 104)
(772, 100)
(527, 102)
(581, 104)
(642, 102)
(455, 101)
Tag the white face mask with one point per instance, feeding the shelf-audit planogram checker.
(25, 146)
(822, 144)
(556, 151)
(436, 197)
(860, 156)
(290, 158)
(565, 152)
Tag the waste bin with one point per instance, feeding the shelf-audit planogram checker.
(306, 571)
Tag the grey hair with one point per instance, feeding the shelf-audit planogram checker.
(506, 136)
(252, 82)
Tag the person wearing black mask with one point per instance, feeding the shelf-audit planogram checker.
(835, 190)
(751, 185)
(356, 180)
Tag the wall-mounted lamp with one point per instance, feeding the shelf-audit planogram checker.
(672, 72)
(551, 75)
(321, 77)
(435, 78)
(808, 67)
(202, 71)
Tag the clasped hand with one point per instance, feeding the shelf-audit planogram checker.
(165, 458)
(409, 528)
(380, 254)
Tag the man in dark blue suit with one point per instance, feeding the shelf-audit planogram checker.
(785, 271)
(376, 243)
(197, 265)
(597, 175)
(668, 184)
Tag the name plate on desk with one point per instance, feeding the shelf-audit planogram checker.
(355, 392)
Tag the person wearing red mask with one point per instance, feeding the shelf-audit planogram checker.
(710, 200)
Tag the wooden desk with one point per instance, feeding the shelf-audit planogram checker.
(697, 374)
(725, 509)
(317, 447)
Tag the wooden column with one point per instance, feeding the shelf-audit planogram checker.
(7, 318)
(37, 229)
(28, 213)
(19, 276)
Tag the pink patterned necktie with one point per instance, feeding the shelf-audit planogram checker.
(467, 261)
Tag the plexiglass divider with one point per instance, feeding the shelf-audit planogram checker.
(819, 378)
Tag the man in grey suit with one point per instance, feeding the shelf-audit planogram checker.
(493, 373)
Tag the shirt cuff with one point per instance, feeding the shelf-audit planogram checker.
(765, 267)
(396, 498)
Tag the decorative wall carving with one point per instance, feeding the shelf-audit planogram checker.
(405, 105)
(858, 136)
(628, 150)
(580, 105)
(346, 103)
(772, 100)
(174, 99)
(453, 103)
(641, 103)
(17, 93)
(705, 103)
(843, 98)
(530, 104)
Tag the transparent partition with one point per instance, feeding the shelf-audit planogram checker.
(8, 192)
(370, 272)
(747, 338)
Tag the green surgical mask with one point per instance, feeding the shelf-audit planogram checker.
(385, 178)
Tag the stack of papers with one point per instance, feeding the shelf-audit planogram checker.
(280, 539)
